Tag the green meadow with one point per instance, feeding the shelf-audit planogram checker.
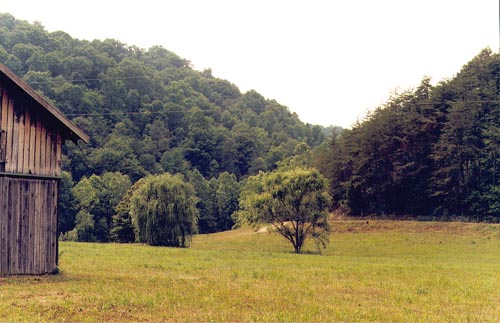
(371, 271)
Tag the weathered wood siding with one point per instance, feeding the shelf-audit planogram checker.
(28, 143)
(32, 132)
(28, 225)
(30, 163)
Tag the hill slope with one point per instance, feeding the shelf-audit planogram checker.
(148, 111)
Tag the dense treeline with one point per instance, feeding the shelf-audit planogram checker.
(433, 151)
(148, 112)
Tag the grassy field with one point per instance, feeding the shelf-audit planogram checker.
(372, 271)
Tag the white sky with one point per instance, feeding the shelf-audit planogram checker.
(327, 60)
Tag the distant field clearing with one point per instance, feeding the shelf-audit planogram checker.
(371, 271)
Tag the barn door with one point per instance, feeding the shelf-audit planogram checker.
(3, 145)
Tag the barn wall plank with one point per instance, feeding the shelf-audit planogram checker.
(15, 141)
(50, 231)
(9, 133)
(43, 146)
(48, 153)
(31, 229)
(20, 142)
(55, 227)
(1, 100)
(37, 269)
(38, 146)
(5, 104)
(20, 227)
(3, 145)
(54, 157)
(31, 162)
(58, 155)
(25, 215)
(8, 223)
(27, 141)
(13, 219)
(43, 226)
(4, 199)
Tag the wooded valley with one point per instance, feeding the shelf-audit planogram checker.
(429, 152)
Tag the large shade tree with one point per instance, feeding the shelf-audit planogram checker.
(294, 202)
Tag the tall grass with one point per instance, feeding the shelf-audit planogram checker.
(375, 271)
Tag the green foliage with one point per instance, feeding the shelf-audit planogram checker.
(97, 197)
(295, 202)
(123, 229)
(117, 155)
(207, 218)
(227, 191)
(431, 151)
(164, 208)
(148, 111)
(67, 207)
(217, 200)
(85, 226)
(69, 236)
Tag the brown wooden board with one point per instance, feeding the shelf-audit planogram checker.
(10, 134)
(27, 142)
(28, 225)
(5, 104)
(4, 189)
(32, 154)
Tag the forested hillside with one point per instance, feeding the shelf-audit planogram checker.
(148, 112)
(432, 151)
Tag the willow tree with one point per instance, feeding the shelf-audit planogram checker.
(293, 202)
(164, 211)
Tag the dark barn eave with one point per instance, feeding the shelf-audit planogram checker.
(67, 128)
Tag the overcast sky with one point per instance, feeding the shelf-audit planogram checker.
(329, 61)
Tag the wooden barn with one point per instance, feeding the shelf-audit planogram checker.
(32, 133)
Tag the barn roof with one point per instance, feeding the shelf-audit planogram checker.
(74, 133)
